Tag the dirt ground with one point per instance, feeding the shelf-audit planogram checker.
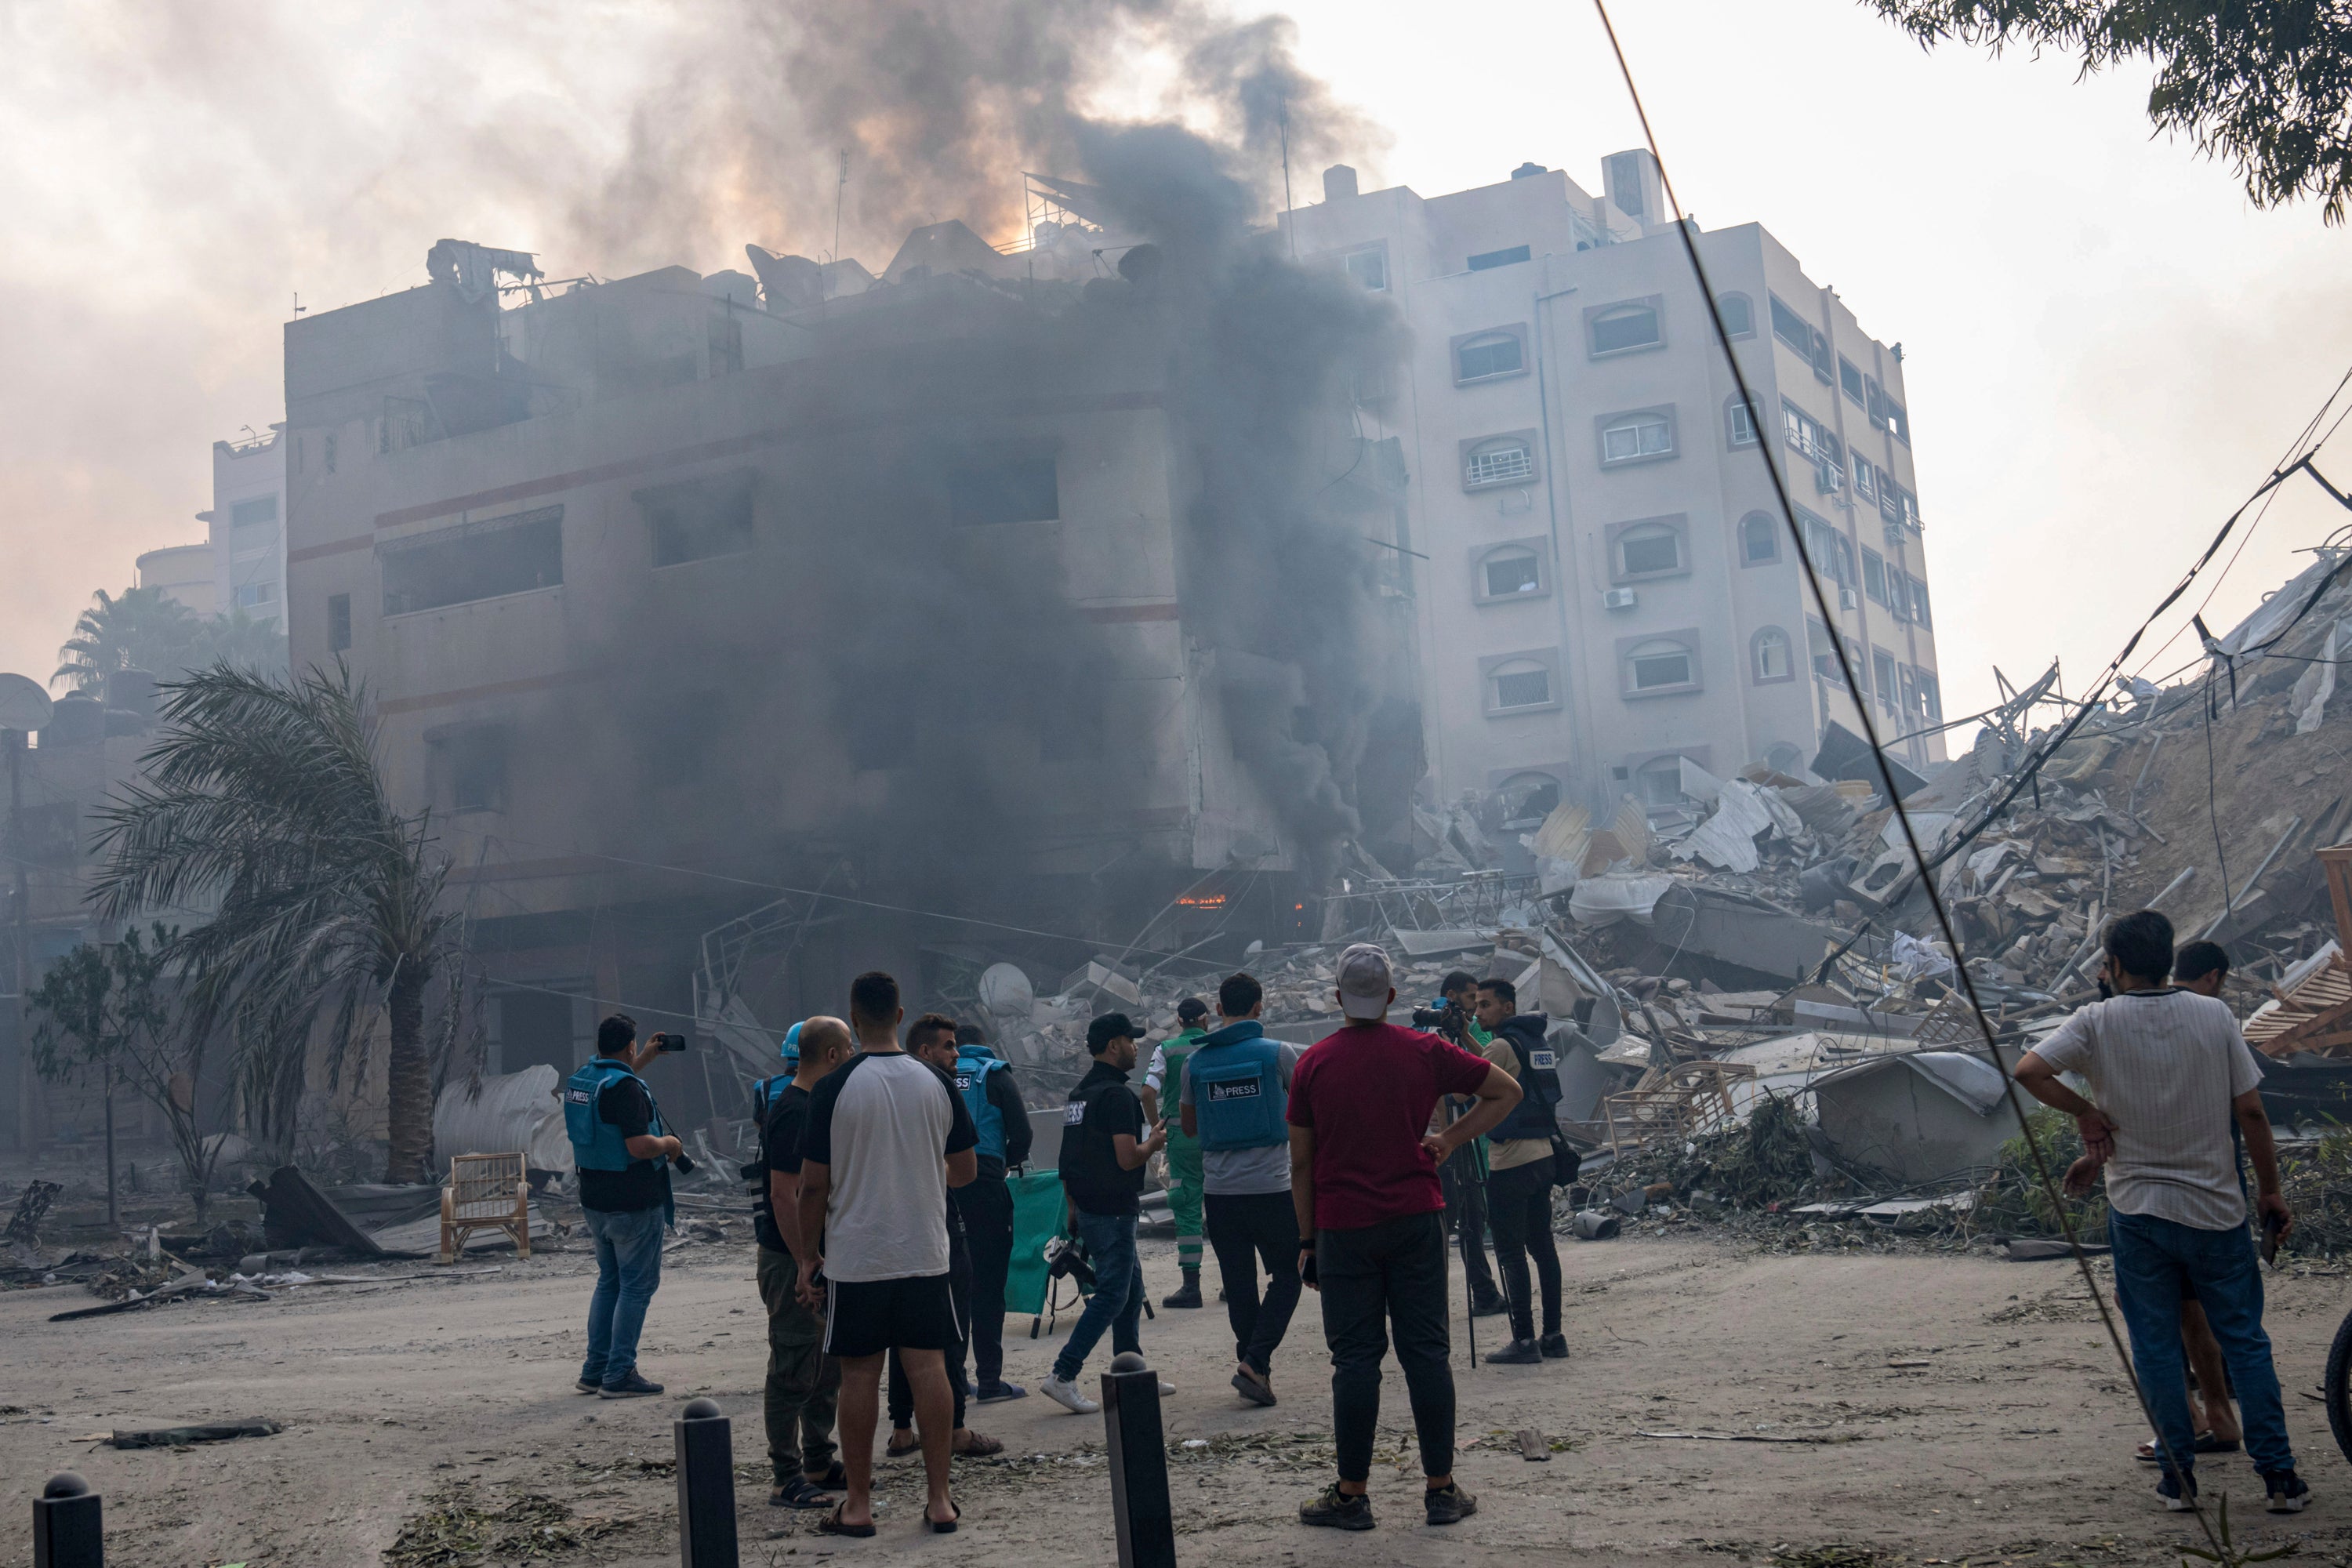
(1950, 1410)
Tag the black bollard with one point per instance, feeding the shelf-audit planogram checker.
(705, 1487)
(1139, 1464)
(67, 1530)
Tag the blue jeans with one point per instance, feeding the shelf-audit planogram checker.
(628, 1272)
(2153, 1257)
(1118, 1302)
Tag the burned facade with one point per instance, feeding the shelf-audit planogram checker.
(1012, 590)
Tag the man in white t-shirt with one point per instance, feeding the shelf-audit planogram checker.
(2169, 1074)
(887, 1135)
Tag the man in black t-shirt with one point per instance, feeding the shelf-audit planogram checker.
(1104, 1150)
(803, 1382)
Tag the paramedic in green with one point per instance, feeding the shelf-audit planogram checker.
(1166, 1075)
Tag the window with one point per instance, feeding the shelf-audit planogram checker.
(1882, 676)
(1649, 550)
(339, 622)
(1514, 572)
(1918, 595)
(1738, 315)
(1369, 268)
(1518, 684)
(1805, 432)
(250, 595)
(1631, 437)
(1874, 574)
(1824, 653)
(260, 508)
(477, 769)
(1659, 781)
(1739, 422)
(1491, 258)
(1760, 539)
(676, 746)
(1899, 421)
(476, 561)
(1928, 706)
(1527, 799)
(1802, 336)
(1618, 329)
(1865, 477)
(327, 451)
(1873, 402)
(1500, 461)
(1849, 380)
(1772, 658)
(1482, 354)
(1658, 666)
(1022, 490)
(1831, 551)
(697, 521)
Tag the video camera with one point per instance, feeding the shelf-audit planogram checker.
(1448, 1018)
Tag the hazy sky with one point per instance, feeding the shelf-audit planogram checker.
(2107, 348)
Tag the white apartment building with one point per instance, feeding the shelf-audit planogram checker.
(1601, 578)
(248, 526)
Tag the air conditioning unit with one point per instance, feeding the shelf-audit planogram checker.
(1894, 535)
(1619, 599)
(1826, 476)
(1845, 597)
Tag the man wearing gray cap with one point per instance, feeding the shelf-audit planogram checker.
(1363, 1177)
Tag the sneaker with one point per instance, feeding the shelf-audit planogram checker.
(2289, 1494)
(1554, 1346)
(631, 1386)
(1189, 1296)
(1336, 1510)
(2177, 1497)
(1488, 1306)
(1518, 1352)
(1068, 1397)
(1166, 1388)
(989, 1392)
(1449, 1504)
(1254, 1385)
(588, 1385)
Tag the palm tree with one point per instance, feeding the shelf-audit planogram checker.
(266, 792)
(139, 628)
(237, 638)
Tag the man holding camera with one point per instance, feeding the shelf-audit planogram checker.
(624, 1158)
(1463, 1177)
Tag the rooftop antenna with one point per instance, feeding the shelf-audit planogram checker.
(298, 303)
(1282, 124)
(839, 186)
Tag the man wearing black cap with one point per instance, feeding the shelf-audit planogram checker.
(1104, 1150)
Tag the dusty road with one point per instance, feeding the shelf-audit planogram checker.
(1972, 1412)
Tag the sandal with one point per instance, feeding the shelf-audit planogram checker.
(980, 1446)
(799, 1492)
(832, 1478)
(891, 1450)
(832, 1524)
(2206, 1443)
(937, 1528)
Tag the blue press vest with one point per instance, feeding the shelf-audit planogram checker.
(596, 1144)
(1536, 1113)
(764, 1092)
(1236, 1089)
(973, 1064)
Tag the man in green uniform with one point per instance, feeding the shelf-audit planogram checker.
(1166, 1075)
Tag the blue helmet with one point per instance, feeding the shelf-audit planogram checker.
(791, 1049)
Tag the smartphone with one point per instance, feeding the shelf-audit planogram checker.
(670, 1042)
(2270, 1226)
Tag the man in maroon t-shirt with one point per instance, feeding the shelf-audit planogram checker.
(1363, 1174)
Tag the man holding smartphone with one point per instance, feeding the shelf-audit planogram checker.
(624, 1158)
(2169, 1073)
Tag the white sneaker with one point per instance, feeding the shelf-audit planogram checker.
(1166, 1388)
(1068, 1396)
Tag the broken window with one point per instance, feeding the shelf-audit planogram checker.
(477, 561)
(1831, 552)
(697, 521)
(1019, 489)
(1626, 326)
(1899, 421)
(1824, 653)
(1919, 598)
(1772, 655)
(1513, 572)
(1507, 460)
(1527, 799)
(339, 622)
(1662, 664)
(1369, 268)
(1637, 436)
(1660, 781)
(471, 765)
(1929, 706)
(1488, 353)
(1488, 260)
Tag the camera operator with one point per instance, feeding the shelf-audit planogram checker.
(624, 1158)
(1463, 1177)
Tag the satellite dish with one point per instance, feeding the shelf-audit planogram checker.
(1005, 991)
(23, 704)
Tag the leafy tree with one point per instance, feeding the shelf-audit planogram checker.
(236, 639)
(266, 793)
(102, 1017)
(2265, 84)
(139, 628)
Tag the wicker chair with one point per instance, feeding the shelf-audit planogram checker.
(486, 1192)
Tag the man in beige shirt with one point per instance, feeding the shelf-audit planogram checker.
(2168, 1072)
(1521, 1173)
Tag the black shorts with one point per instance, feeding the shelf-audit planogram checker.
(865, 1318)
